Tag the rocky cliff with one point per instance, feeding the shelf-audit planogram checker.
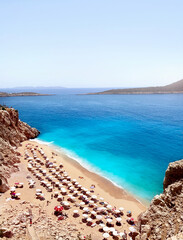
(12, 133)
(164, 217)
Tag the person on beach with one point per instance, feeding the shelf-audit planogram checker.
(125, 235)
(30, 220)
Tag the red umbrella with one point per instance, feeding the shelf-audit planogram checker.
(58, 208)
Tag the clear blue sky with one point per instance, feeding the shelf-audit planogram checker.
(96, 43)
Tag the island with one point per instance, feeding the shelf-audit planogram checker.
(176, 87)
(5, 94)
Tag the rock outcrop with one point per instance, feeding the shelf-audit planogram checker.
(12, 133)
(164, 217)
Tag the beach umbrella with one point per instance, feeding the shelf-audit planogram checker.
(121, 209)
(93, 212)
(117, 211)
(12, 189)
(89, 220)
(82, 203)
(17, 194)
(38, 190)
(109, 220)
(101, 198)
(109, 206)
(118, 219)
(59, 197)
(85, 209)
(75, 211)
(65, 203)
(94, 196)
(112, 229)
(99, 217)
(85, 216)
(58, 208)
(132, 229)
(115, 233)
(105, 235)
(105, 229)
(121, 234)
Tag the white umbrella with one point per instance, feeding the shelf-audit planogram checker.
(66, 203)
(115, 233)
(94, 196)
(121, 234)
(105, 235)
(118, 219)
(109, 206)
(85, 216)
(109, 220)
(121, 209)
(38, 190)
(106, 229)
(112, 229)
(93, 212)
(82, 203)
(85, 209)
(132, 229)
(75, 211)
(89, 220)
(18, 194)
(99, 217)
(116, 211)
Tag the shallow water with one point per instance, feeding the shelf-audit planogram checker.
(128, 138)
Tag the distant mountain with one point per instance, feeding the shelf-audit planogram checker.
(5, 94)
(176, 87)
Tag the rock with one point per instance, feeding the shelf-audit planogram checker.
(165, 213)
(173, 173)
(12, 133)
(3, 185)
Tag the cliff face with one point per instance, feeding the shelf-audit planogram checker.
(164, 217)
(12, 133)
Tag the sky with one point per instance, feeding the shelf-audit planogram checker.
(98, 43)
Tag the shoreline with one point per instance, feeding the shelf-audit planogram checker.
(112, 195)
(117, 190)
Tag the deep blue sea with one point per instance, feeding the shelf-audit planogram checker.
(129, 139)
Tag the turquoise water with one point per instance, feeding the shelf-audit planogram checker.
(128, 138)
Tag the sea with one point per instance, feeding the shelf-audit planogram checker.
(129, 139)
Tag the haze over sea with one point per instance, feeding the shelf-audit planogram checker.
(129, 139)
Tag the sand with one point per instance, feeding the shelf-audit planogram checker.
(115, 196)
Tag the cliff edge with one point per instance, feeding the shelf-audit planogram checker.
(164, 217)
(12, 133)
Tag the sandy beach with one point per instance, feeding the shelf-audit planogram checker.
(112, 195)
